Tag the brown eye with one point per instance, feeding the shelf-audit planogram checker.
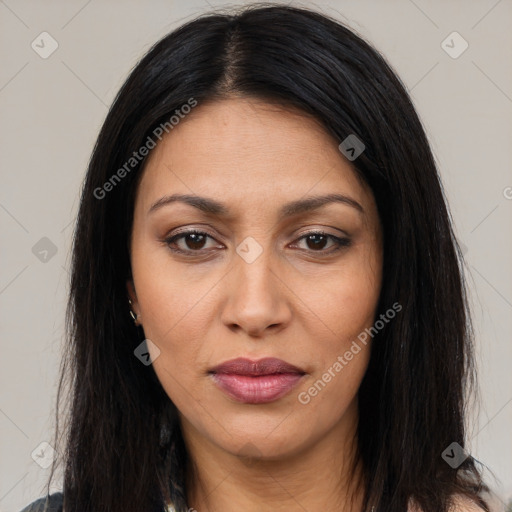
(317, 241)
(192, 241)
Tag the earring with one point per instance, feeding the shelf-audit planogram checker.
(132, 314)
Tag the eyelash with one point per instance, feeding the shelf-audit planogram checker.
(340, 243)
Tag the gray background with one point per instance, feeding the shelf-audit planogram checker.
(51, 110)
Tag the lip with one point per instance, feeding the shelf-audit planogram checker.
(256, 382)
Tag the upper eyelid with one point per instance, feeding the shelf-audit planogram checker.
(204, 230)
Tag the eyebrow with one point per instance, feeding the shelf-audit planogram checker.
(214, 207)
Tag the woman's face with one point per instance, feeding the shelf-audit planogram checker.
(252, 285)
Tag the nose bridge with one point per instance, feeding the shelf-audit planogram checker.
(253, 267)
(257, 299)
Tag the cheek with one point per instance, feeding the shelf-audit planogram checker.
(342, 352)
(328, 393)
(344, 298)
(177, 310)
(345, 304)
(349, 308)
(169, 311)
(169, 295)
(175, 318)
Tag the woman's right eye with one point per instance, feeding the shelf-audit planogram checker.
(192, 241)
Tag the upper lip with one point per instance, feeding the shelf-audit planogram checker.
(265, 366)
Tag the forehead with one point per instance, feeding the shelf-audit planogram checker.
(248, 152)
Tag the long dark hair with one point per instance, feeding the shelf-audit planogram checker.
(124, 449)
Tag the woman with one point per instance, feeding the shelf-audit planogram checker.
(267, 306)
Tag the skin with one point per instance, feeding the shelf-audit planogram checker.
(290, 302)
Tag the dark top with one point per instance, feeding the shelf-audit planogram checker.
(54, 503)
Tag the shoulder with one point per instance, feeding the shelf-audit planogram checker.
(53, 503)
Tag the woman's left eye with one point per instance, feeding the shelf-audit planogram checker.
(318, 239)
(194, 241)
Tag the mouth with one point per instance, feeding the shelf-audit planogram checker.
(256, 382)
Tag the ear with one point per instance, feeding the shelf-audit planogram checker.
(132, 295)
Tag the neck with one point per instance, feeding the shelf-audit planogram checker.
(326, 476)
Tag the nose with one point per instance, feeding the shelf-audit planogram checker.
(258, 299)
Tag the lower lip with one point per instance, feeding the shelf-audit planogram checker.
(258, 389)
